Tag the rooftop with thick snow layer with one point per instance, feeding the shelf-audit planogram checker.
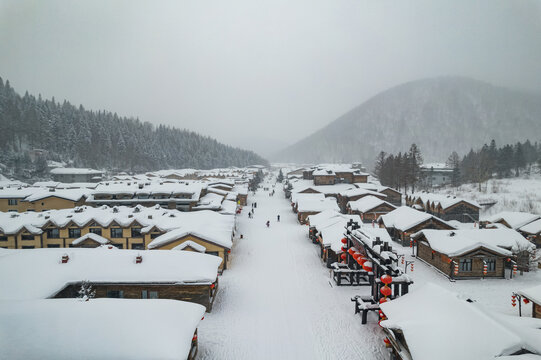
(404, 218)
(40, 273)
(98, 329)
(515, 219)
(367, 203)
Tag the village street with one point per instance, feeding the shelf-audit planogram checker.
(277, 301)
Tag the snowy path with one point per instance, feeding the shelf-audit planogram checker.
(276, 300)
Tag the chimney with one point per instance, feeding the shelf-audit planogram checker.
(65, 258)
(138, 259)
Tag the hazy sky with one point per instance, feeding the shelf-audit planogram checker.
(258, 74)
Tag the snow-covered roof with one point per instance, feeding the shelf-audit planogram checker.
(532, 228)
(215, 233)
(323, 172)
(68, 194)
(229, 207)
(533, 293)
(95, 237)
(445, 201)
(404, 218)
(515, 219)
(315, 220)
(192, 244)
(296, 197)
(310, 205)
(163, 219)
(40, 273)
(75, 171)
(435, 321)
(458, 242)
(361, 191)
(98, 329)
(210, 201)
(367, 203)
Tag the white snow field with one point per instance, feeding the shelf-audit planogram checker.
(277, 300)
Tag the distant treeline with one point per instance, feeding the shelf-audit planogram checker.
(493, 161)
(101, 139)
(404, 170)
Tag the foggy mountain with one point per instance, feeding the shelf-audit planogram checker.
(439, 115)
(101, 139)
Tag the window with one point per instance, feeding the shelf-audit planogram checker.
(53, 233)
(12, 202)
(144, 294)
(3, 238)
(119, 246)
(27, 237)
(154, 235)
(115, 294)
(138, 246)
(136, 233)
(465, 265)
(491, 265)
(28, 247)
(74, 233)
(53, 245)
(215, 253)
(96, 231)
(116, 232)
(153, 295)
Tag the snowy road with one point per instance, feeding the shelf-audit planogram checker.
(276, 301)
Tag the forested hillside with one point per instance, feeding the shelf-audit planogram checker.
(102, 139)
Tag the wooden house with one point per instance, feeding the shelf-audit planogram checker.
(404, 221)
(532, 232)
(307, 207)
(324, 177)
(369, 208)
(435, 323)
(132, 274)
(446, 207)
(513, 219)
(533, 295)
(349, 195)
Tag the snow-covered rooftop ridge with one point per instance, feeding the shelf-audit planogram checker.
(515, 219)
(68, 328)
(91, 236)
(404, 218)
(458, 242)
(217, 234)
(436, 166)
(40, 273)
(445, 201)
(361, 191)
(367, 203)
(75, 171)
(532, 293)
(192, 244)
(457, 329)
(147, 218)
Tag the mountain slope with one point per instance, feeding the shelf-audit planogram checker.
(102, 139)
(440, 115)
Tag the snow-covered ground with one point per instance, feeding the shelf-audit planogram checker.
(513, 194)
(277, 300)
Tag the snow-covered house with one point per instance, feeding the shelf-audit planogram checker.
(67, 175)
(446, 207)
(369, 208)
(533, 295)
(404, 221)
(307, 206)
(434, 323)
(532, 231)
(478, 253)
(99, 329)
(513, 219)
(59, 273)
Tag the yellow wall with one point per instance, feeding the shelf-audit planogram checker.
(49, 203)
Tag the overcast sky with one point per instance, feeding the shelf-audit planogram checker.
(258, 74)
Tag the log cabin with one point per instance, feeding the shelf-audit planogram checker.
(134, 274)
(532, 232)
(446, 207)
(369, 208)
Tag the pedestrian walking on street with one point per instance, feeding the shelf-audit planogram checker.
(278, 217)
(268, 223)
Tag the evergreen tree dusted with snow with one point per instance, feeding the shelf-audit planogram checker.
(101, 139)
(86, 292)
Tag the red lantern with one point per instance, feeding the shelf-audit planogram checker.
(386, 291)
(383, 300)
(402, 260)
(343, 256)
(411, 243)
(526, 301)
(485, 269)
(344, 249)
(411, 265)
(361, 260)
(386, 279)
(350, 251)
(515, 269)
(367, 266)
(387, 341)
(344, 241)
(212, 286)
